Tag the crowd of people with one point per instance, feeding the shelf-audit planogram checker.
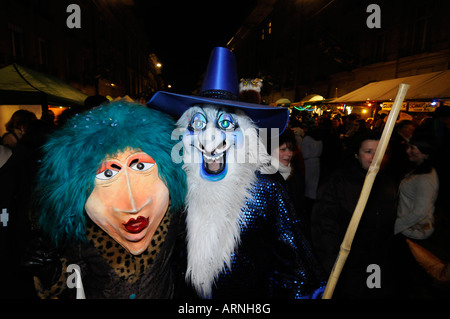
(408, 204)
(323, 161)
(20, 160)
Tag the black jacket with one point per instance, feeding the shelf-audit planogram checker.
(337, 199)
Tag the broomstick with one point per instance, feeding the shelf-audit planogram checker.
(365, 192)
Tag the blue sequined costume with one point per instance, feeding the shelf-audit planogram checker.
(273, 259)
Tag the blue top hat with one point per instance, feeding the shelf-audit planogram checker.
(220, 87)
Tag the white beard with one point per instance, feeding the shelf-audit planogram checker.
(214, 212)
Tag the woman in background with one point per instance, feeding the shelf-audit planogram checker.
(289, 161)
(336, 201)
(418, 192)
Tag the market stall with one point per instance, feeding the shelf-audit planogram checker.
(24, 88)
(426, 93)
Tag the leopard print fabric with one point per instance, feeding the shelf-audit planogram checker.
(129, 267)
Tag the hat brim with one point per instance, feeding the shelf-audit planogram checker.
(264, 116)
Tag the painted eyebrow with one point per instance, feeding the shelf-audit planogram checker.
(141, 157)
(106, 166)
(136, 160)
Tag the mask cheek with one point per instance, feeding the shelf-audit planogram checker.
(236, 139)
(99, 206)
(190, 152)
(97, 211)
(188, 139)
(94, 205)
(238, 148)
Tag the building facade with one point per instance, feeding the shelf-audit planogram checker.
(330, 48)
(98, 47)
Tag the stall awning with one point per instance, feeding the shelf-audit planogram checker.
(435, 85)
(21, 85)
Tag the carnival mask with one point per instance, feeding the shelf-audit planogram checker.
(129, 199)
(212, 140)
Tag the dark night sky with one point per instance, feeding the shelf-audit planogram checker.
(183, 33)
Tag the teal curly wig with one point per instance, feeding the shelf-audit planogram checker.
(73, 154)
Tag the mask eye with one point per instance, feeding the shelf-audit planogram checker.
(106, 174)
(226, 122)
(197, 123)
(108, 171)
(141, 166)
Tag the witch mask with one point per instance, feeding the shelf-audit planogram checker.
(113, 165)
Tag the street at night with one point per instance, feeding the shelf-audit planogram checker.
(271, 150)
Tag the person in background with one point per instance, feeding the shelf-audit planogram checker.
(405, 129)
(312, 147)
(379, 122)
(438, 125)
(336, 201)
(415, 221)
(348, 121)
(358, 129)
(10, 196)
(299, 133)
(17, 173)
(331, 157)
(288, 159)
(418, 191)
(16, 127)
(399, 164)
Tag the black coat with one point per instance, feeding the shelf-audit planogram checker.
(337, 199)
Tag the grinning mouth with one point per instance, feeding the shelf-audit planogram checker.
(214, 164)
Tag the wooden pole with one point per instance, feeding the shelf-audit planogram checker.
(365, 192)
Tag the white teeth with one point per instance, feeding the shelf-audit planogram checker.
(213, 158)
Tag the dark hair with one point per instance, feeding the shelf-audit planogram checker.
(426, 143)
(288, 137)
(360, 138)
(19, 118)
(403, 123)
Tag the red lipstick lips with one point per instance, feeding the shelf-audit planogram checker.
(135, 226)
